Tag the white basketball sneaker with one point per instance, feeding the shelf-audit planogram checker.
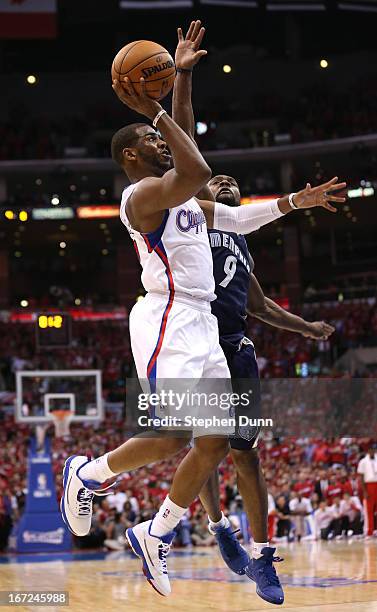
(76, 504)
(153, 551)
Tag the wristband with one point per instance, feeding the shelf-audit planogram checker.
(158, 117)
(291, 202)
(189, 70)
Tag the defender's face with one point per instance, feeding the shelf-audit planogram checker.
(152, 150)
(225, 190)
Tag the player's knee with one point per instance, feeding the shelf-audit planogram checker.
(246, 461)
(213, 450)
(170, 446)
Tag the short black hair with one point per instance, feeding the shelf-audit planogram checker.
(125, 137)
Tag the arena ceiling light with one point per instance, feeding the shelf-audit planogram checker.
(369, 6)
(93, 212)
(155, 4)
(253, 199)
(295, 5)
(361, 192)
(201, 128)
(238, 3)
(43, 214)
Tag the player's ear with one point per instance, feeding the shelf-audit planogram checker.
(129, 154)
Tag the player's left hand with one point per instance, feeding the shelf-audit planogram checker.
(320, 196)
(319, 330)
(188, 52)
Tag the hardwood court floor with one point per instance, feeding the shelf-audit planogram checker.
(317, 576)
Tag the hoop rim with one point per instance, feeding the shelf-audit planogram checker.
(60, 415)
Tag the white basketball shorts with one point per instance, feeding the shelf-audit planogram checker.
(175, 345)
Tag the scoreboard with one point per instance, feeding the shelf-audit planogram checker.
(53, 330)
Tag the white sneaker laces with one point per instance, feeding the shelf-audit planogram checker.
(84, 498)
(163, 551)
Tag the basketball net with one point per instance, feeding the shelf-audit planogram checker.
(62, 420)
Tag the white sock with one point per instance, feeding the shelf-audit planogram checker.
(256, 549)
(98, 470)
(167, 517)
(223, 522)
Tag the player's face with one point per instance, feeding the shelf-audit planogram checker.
(225, 190)
(153, 151)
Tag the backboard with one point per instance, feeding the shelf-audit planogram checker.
(41, 392)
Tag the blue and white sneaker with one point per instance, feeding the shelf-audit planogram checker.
(76, 504)
(264, 575)
(153, 551)
(234, 555)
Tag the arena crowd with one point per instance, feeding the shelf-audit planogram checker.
(314, 489)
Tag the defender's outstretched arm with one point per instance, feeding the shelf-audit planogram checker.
(246, 219)
(265, 309)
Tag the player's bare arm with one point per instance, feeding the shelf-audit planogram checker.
(265, 309)
(183, 181)
(187, 55)
(246, 219)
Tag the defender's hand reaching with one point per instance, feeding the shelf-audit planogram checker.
(188, 53)
(320, 196)
(319, 330)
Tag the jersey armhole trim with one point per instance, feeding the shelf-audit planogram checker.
(152, 239)
(123, 207)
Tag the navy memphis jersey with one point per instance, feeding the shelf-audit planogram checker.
(232, 266)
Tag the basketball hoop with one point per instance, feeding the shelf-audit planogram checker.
(62, 420)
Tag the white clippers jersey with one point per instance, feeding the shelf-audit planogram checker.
(176, 258)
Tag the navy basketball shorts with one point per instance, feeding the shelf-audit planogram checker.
(244, 372)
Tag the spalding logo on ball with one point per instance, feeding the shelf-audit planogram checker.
(147, 59)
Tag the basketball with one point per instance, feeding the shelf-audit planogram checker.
(147, 59)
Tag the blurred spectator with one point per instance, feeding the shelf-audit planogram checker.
(352, 511)
(200, 535)
(300, 509)
(283, 514)
(323, 518)
(367, 468)
(5, 520)
(117, 500)
(115, 528)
